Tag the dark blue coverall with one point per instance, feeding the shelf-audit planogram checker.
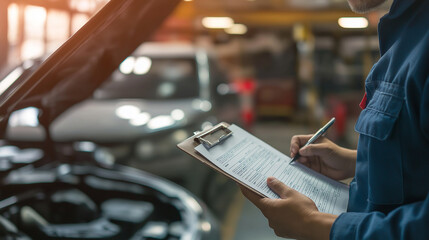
(389, 196)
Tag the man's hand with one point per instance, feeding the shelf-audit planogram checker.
(324, 157)
(292, 216)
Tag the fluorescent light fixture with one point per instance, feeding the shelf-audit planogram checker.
(238, 29)
(353, 22)
(218, 22)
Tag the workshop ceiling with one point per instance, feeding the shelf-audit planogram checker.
(271, 13)
(274, 5)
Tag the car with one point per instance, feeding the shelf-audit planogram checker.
(70, 189)
(82, 201)
(156, 98)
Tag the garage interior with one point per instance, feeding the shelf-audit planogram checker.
(285, 68)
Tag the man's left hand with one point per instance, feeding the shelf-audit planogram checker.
(294, 215)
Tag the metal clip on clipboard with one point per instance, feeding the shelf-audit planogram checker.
(214, 136)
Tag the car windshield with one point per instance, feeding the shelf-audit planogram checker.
(153, 78)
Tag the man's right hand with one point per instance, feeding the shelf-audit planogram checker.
(325, 157)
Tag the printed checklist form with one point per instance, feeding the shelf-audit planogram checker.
(251, 161)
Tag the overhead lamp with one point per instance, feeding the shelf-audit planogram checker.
(237, 29)
(353, 22)
(217, 22)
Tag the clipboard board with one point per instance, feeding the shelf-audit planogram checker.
(213, 139)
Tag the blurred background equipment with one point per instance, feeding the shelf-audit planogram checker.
(276, 68)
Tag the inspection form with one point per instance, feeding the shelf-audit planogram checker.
(252, 161)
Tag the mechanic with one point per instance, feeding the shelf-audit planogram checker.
(389, 193)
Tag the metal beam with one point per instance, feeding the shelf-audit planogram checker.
(264, 18)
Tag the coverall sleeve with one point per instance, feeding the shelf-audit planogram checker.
(424, 110)
(410, 221)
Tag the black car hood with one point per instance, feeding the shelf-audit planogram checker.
(80, 65)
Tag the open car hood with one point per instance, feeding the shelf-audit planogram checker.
(85, 61)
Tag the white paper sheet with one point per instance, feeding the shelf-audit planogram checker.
(252, 161)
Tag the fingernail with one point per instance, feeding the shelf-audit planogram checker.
(271, 180)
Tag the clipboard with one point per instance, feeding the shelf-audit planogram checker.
(214, 136)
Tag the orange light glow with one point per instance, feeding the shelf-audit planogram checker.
(13, 23)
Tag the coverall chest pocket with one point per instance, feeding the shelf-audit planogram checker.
(380, 141)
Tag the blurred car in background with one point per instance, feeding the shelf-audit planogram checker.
(72, 187)
(159, 96)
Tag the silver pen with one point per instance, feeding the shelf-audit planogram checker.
(315, 137)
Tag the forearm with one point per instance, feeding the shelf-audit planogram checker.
(350, 157)
(319, 226)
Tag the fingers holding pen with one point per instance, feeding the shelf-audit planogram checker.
(297, 142)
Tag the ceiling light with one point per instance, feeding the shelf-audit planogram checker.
(218, 22)
(353, 22)
(238, 29)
